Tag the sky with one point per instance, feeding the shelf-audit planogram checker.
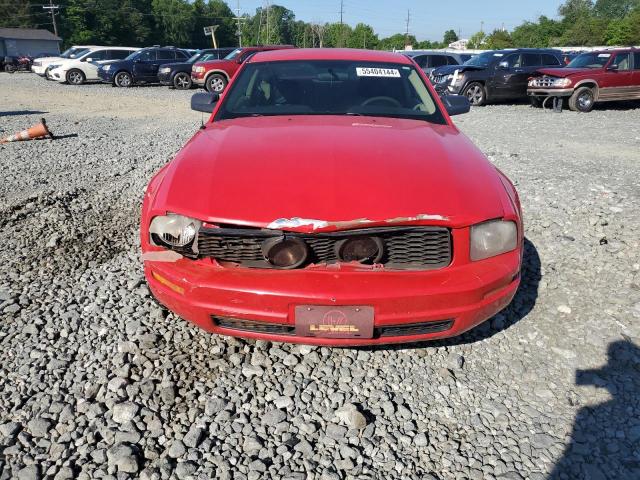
(428, 20)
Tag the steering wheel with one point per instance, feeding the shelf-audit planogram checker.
(383, 99)
(420, 107)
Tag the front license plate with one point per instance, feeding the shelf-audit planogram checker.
(334, 321)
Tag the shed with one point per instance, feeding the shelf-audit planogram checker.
(28, 41)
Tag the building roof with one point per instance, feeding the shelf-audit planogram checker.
(28, 34)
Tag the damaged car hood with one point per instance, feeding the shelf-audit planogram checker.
(450, 69)
(327, 172)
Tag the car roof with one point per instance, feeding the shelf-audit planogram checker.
(415, 53)
(329, 54)
(614, 50)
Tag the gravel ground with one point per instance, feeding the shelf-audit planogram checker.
(96, 381)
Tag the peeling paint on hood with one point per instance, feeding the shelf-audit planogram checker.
(315, 224)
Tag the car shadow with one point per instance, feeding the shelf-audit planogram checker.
(523, 302)
(605, 441)
(15, 113)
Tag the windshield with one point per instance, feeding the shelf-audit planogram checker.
(590, 60)
(74, 52)
(195, 57)
(482, 60)
(330, 87)
(233, 54)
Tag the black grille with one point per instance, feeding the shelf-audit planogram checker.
(417, 248)
(252, 326)
(414, 329)
(286, 329)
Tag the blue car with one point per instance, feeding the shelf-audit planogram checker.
(141, 66)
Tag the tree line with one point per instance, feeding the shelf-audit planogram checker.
(181, 23)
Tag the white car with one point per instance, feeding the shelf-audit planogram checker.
(84, 67)
(40, 64)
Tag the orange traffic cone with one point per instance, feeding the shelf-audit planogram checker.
(37, 131)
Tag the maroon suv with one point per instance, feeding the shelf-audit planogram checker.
(214, 75)
(600, 76)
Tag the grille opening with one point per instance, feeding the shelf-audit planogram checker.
(409, 329)
(403, 248)
(413, 329)
(253, 326)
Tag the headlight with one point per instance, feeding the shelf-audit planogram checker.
(562, 82)
(106, 68)
(54, 65)
(493, 238)
(198, 69)
(164, 70)
(173, 230)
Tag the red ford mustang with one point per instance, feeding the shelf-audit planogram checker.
(330, 200)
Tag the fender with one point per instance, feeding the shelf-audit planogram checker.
(589, 80)
(210, 72)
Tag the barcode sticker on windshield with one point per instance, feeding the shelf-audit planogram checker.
(377, 72)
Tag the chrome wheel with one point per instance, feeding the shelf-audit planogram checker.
(75, 77)
(123, 79)
(475, 94)
(585, 101)
(216, 84)
(182, 81)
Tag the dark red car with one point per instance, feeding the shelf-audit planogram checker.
(214, 75)
(331, 200)
(599, 76)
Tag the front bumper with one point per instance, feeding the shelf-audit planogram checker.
(105, 76)
(197, 79)
(468, 294)
(58, 74)
(549, 92)
(38, 69)
(165, 78)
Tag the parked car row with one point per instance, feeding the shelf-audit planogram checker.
(592, 77)
(588, 78)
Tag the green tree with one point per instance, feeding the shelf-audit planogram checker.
(585, 31)
(396, 42)
(477, 41)
(363, 36)
(544, 33)
(173, 20)
(615, 9)
(450, 36)
(573, 10)
(499, 40)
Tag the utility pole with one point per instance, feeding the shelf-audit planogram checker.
(211, 30)
(268, 33)
(482, 26)
(239, 19)
(52, 8)
(364, 38)
(406, 33)
(341, 39)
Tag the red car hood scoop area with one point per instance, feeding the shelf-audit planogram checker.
(331, 172)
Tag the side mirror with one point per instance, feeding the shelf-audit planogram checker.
(613, 67)
(456, 104)
(503, 65)
(88, 59)
(204, 102)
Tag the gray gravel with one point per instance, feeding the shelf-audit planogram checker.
(96, 381)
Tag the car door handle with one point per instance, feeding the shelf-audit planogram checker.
(519, 70)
